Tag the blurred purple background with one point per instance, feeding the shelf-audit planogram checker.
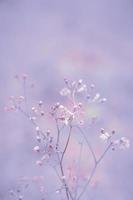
(53, 39)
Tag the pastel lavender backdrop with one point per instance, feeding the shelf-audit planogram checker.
(50, 40)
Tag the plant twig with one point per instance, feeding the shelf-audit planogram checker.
(88, 143)
(68, 192)
(93, 171)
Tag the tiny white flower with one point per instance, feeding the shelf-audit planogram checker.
(37, 128)
(39, 163)
(103, 100)
(124, 143)
(38, 138)
(61, 107)
(33, 108)
(57, 191)
(40, 103)
(36, 149)
(21, 98)
(80, 104)
(65, 92)
(45, 157)
(33, 118)
(80, 81)
(82, 88)
(96, 97)
(104, 136)
(48, 132)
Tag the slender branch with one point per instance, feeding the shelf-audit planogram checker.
(88, 143)
(93, 171)
(68, 192)
(103, 154)
(88, 182)
(73, 97)
(58, 133)
(79, 166)
(67, 142)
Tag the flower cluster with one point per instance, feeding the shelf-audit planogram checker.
(67, 116)
(45, 148)
(121, 143)
(14, 103)
(75, 111)
(76, 87)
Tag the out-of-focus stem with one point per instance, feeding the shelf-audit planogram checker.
(79, 166)
(93, 171)
(68, 193)
(66, 146)
(88, 143)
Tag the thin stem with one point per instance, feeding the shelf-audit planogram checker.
(79, 166)
(67, 142)
(103, 154)
(88, 182)
(68, 193)
(88, 143)
(93, 171)
(58, 133)
(73, 97)
(63, 180)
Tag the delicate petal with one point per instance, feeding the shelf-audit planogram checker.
(124, 143)
(96, 97)
(65, 92)
(82, 88)
(104, 136)
(36, 149)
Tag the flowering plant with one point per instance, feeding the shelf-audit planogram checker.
(55, 149)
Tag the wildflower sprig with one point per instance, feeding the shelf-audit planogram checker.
(121, 143)
(68, 118)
